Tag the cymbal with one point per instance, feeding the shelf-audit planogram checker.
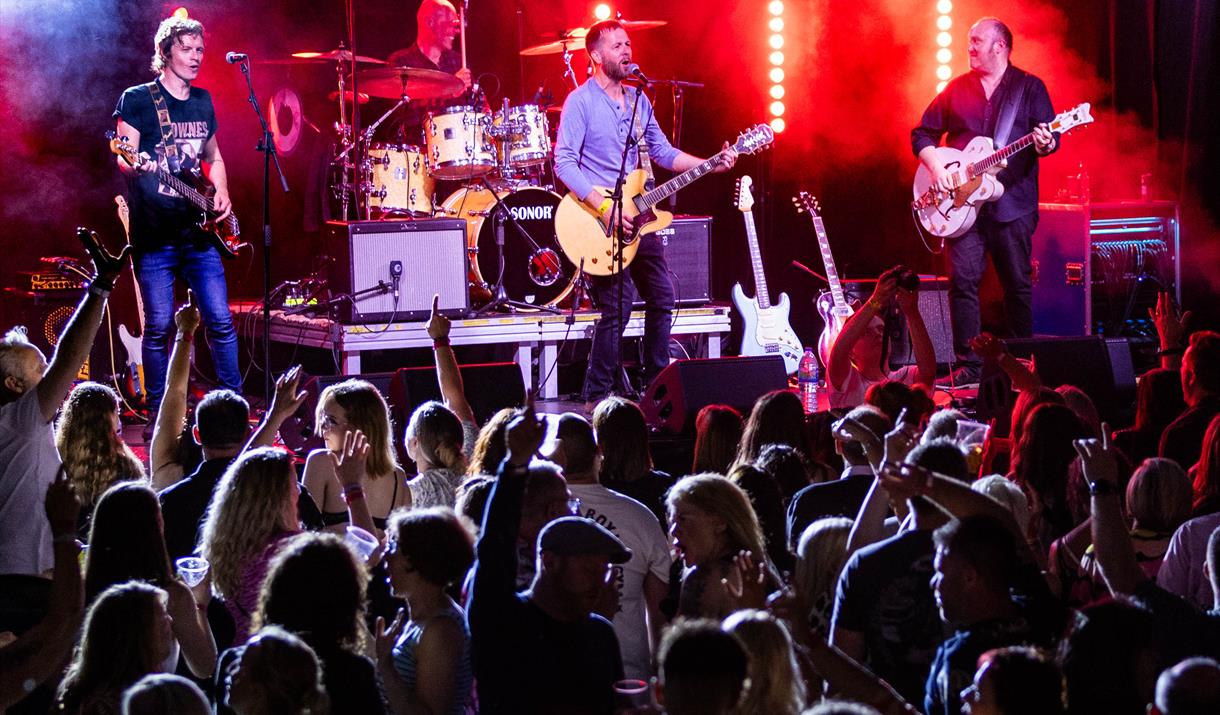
(347, 96)
(573, 40)
(393, 82)
(299, 58)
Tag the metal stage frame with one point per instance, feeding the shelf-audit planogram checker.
(541, 332)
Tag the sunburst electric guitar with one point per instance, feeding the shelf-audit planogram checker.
(134, 345)
(767, 330)
(950, 214)
(587, 240)
(832, 305)
(195, 188)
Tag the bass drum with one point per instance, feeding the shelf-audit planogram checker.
(534, 272)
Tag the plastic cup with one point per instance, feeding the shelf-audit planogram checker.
(971, 433)
(362, 541)
(631, 694)
(192, 569)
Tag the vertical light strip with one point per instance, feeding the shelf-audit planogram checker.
(944, 41)
(775, 24)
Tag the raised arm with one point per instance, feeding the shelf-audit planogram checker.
(854, 328)
(284, 403)
(76, 340)
(172, 414)
(992, 349)
(925, 352)
(1170, 328)
(349, 467)
(447, 372)
(1111, 541)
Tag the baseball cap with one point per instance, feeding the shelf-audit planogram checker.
(578, 536)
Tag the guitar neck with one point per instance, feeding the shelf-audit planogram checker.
(190, 193)
(828, 260)
(760, 279)
(1001, 155)
(679, 182)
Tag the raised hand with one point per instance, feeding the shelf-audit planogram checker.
(987, 346)
(525, 434)
(352, 458)
(61, 505)
(187, 318)
(106, 266)
(386, 637)
(1097, 457)
(746, 581)
(1170, 325)
(901, 440)
(438, 325)
(287, 398)
(887, 285)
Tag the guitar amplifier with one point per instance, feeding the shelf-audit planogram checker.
(688, 253)
(428, 255)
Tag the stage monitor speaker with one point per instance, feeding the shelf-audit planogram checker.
(1101, 367)
(687, 244)
(675, 397)
(428, 255)
(45, 314)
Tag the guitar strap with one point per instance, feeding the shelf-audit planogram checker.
(650, 181)
(1013, 100)
(167, 129)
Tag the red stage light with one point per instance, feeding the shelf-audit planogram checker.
(602, 11)
(181, 13)
(778, 125)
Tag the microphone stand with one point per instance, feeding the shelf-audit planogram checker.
(614, 225)
(267, 146)
(500, 299)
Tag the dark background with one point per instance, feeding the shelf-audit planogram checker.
(859, 73)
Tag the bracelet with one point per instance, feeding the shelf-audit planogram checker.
(351, 493)
(1100, 489)
(1170, 352)
(185, 337)
(99, 290)
(605, 206)
(875, 304)
(440, 342)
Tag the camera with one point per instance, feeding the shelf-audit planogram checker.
(908, 280)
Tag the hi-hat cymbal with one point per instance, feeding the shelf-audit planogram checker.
(574, 40)
(348, 96)
(305, 58)
(393, 82)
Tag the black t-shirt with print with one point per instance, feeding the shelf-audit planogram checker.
(159, 216)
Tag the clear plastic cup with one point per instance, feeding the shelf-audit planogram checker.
(970, 433)
(631, 695)
(362, 541)
(192, 569)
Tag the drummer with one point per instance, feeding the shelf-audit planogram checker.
(438, 27)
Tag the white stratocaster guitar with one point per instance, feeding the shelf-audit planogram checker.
(584, 236)
(831, 304)
(132, 344)
(767, 330)
(950, 214)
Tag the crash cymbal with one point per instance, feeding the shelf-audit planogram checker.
(572, 40)
(348, 96)
(334, 55)
(393, 82)
(642, 24)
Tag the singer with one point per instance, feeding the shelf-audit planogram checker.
(592, 129)
(167, 242)
(437, 27)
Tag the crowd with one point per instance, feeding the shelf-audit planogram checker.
(530, 565)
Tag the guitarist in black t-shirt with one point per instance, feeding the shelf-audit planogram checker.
(168, 243)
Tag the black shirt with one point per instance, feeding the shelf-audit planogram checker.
(842, 497)
(1182, 440)
(409, 126)
(160, 216)
(962, 112)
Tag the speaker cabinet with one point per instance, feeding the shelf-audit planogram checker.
(428, 256)
(45, 314)
(675, 397)
(933, 308)
(687, 244)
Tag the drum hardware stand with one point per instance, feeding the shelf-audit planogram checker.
(266, 145)
(500, 299)
(366, 166)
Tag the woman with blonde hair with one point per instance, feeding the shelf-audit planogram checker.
(276, 673)
(346, 407)
(775, 685)
(435, 439)
(93, 453)
(127, 635)
(820, 556)
(253, 512)
(712, 525)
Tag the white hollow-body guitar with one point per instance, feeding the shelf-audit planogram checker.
(949, 214)
(767, 330)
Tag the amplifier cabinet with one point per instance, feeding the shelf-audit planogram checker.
(688, 253)
(415, 259)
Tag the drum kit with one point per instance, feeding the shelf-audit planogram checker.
(508, 152)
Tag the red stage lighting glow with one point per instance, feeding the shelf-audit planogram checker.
(776, 74)
(602, 11)
(181, 13)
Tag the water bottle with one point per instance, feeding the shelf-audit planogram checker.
(807, 379)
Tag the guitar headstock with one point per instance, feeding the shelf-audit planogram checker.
(742, 195)
(806, 201)
(754, 139)
(127, 152)
(1077, 116)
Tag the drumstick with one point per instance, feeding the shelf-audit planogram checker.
(462, 29)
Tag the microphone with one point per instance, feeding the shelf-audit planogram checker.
(634, 70)
(235, 57)
(395, 276)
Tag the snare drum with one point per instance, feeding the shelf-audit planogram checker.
(534, 272)
(524, 136)
(459, 143)
(400, 181)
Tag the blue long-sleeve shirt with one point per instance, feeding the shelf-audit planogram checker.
(592, 131)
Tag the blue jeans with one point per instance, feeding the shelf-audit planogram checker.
(650, 275)
(1009, 246)
(201, 267)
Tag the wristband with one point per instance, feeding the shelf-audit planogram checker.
(440, 342)
(185, 337)
(605, 206)
(1100, 489)
(99, 289)
(875, 304)
(351, 493)
(1170, 352)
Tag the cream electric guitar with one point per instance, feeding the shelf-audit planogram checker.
(767, 330)
(950, 214)
(132, 344)
(583, 233)
(831, 305)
